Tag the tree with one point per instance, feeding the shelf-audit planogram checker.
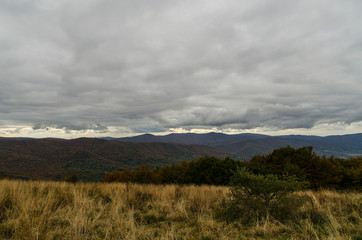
(255, 196)
(72, 178)
(120, 176)
(144, 174)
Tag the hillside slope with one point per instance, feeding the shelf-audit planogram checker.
(244, 146)
(89, 158)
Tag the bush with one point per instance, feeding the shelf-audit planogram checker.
(72, 178)
(253, 197)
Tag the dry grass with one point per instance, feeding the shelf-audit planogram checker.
(58, 210)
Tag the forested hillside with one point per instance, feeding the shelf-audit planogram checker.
(89, 158)
(245, 146)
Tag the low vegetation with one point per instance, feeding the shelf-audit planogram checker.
(254, 197)
(61, 210)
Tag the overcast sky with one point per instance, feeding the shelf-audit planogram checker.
(114, 68)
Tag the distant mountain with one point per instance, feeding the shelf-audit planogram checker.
(89, 158)
(352, 142)
(209, 139)
(244, 146)
(248, 148)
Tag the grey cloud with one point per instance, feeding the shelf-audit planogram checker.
(71, 126)
(154, 65)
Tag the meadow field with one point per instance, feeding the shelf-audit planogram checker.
(60, 210)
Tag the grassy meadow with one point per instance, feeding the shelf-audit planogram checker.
(59, 210)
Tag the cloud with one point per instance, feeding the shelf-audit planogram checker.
(151, 66)
(72, 126)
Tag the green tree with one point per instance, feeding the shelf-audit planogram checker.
(319, 172)
(144, 174)
(254, 196)
(72, 178)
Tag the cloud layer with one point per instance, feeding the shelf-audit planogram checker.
(148, 66)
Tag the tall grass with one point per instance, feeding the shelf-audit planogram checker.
(58, 210)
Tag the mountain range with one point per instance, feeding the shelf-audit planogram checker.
(246, 145)
(92, 158)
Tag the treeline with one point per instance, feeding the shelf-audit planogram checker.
(205, 170)
(326, 172)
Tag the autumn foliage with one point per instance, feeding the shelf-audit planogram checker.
(303, 163)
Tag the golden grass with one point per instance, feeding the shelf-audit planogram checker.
(58, 210)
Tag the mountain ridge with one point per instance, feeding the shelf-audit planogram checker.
(338, 145)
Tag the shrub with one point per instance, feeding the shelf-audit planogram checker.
(71, 178)
(253, 197)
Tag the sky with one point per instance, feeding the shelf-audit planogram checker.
(91, 68)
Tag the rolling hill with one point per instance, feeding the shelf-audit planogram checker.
(89, 158)
(244, 146)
